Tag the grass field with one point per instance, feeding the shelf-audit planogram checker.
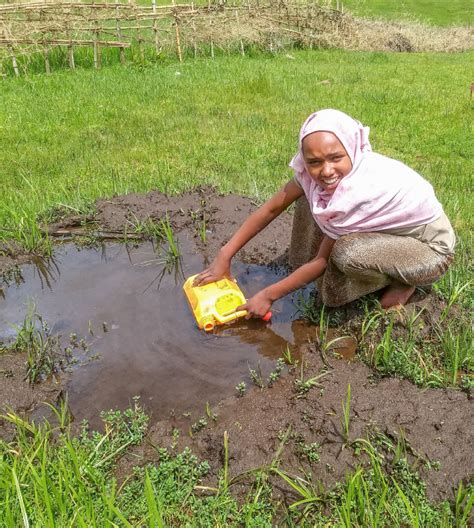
(436, 12)
(72, 137)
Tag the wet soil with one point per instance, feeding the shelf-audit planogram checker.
(438, 424)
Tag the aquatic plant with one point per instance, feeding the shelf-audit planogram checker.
(43, 350)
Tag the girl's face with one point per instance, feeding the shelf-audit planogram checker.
(326, 159)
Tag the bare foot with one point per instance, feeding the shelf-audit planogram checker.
(396, 294)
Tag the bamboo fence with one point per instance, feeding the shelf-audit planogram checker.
(38, 29)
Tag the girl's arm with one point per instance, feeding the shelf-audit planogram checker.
(260, 303)
(220, 267)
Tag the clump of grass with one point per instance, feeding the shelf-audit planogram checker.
(43, 350)
(303, 385)
(147, 228)
(287, 356)
(429, 353)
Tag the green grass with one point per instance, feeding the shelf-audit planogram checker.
(72, 137)
(60, 480)
(436, 12)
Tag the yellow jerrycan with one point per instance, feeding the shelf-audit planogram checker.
(215, 303)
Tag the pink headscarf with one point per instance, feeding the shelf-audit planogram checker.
(378, 194)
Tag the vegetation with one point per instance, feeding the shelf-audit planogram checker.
(75, 136)
(455, 12)
(43, 350)
(62, 480)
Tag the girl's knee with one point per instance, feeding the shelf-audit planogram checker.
(348, 253)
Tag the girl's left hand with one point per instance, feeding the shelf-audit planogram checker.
(257, 306)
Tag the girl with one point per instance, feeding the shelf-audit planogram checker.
(362, 222)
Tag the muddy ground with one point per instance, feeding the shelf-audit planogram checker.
(437, 424)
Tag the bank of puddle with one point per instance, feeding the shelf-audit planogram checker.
(140, 335)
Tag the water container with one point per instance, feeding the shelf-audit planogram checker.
(215, 303)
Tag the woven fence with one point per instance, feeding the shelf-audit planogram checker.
(38, 29)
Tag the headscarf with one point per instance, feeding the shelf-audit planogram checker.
(378, 194)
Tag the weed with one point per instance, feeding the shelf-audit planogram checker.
(199, 425)
(303, 386)
(211, 415)
(241, 388)
(288, 355)
(173, 252)
(275, 374)
(308, 451)
(147, 228)
(256, 376)
(346, 414)
(43, 350)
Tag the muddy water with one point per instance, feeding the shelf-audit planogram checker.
(143, 331)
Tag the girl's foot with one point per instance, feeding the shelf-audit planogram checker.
(396, 294)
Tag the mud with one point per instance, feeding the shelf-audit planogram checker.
(438, 424)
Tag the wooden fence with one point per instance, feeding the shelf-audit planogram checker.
(35, 29)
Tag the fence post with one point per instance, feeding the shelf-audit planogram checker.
(155, 27)
(14, 63)
(178, 38)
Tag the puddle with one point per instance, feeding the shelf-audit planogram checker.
(345, 347)
(145, 337)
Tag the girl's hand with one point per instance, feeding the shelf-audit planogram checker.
(219, 268)
(257, 306)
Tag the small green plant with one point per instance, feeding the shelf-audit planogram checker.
(241, 388)
(385, 348)
(199, 425)
(275, 374)
(288, 355)
(346, 414)
(256, 376)
(311, 452)
(303, 385)
(173, 252)
(225, 477)
(43, 350)
(211, 415)
(146, 228)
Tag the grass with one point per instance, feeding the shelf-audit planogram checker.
(443, 357)
(346, 415)
(44, 355)
(436, 12)
(65, 480)
(67, 140)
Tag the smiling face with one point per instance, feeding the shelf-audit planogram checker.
(326, 159)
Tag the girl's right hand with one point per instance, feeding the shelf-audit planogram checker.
(219, 268)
